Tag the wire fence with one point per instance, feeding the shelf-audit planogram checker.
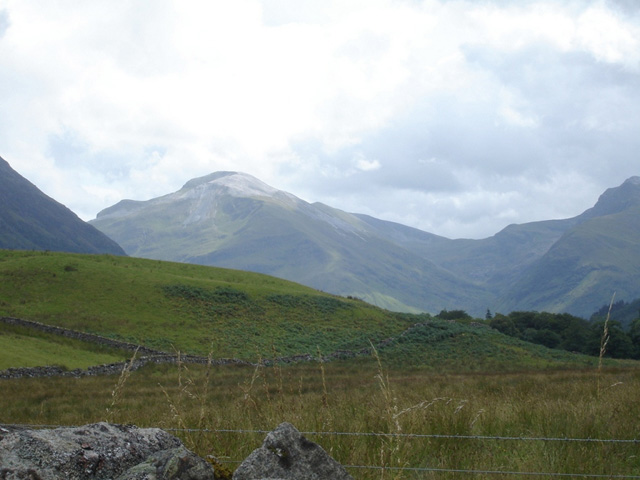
(469, 472)
(456, 437)
(421, 435)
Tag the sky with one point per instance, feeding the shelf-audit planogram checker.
(455, 117)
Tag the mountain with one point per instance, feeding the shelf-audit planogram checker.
(30, 220)
(234, 220)
(596, 258)
(571, 265)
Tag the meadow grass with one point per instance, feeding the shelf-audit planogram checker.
(341, 397)
(196, 310)
(24, 347)
(432, 377)
(191, 308)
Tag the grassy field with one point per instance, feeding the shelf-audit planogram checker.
(229, 314)
(453, 381)
(194, 309)
(22, 347)
(341, 397)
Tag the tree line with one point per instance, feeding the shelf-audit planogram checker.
(567, 332)
(564, 331)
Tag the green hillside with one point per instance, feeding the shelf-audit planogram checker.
(583, 269)
(230, 314)
(233, 220)
(454, 346)
(187, 308)
(23, 347)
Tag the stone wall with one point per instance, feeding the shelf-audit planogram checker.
(146, 355)
(85, 337)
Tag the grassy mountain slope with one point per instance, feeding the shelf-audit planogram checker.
(233, 314)
(234, 220)
(572, 265)
(29, 219)
(347, 259)
(583, 269)
(259, 229)
(185, 307)
(494, 262)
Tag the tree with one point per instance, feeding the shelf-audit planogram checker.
(504, 325)
(453, 315)
(619, 344)
(545, 337)
(634, 335)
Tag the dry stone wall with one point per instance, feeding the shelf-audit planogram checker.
(145, 355)
(85, 337)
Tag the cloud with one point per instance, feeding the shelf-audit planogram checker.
(458, 117)
(4, 22)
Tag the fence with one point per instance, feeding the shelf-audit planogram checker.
(433, 470)
(455, 437)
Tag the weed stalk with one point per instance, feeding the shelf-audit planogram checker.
(604, 340)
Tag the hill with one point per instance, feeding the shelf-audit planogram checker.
(200, 310)
(233, 220)
(30, 220)
(188, 308)
(621, 311)
(599, 255)
(587, 265)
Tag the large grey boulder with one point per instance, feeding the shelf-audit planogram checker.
(98, 452)
(286, 454)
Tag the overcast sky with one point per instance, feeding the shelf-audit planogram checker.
(455, 117)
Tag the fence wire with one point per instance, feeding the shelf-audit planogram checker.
(415, 436)
(422, 435)
(444, 436)
(493, 472)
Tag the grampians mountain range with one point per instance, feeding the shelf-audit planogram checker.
(234, 220)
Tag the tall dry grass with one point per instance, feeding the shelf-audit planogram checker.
(604, 341)
(213, 408)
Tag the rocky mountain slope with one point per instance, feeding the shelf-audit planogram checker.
(234, 220)
(30, 220)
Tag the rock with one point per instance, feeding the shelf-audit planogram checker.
(286, 454)
(99, 451)
(175, 464)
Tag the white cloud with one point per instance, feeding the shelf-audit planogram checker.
(455, 116)
(367, 165)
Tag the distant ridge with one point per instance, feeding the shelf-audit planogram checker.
(30, 220)
(234, 220)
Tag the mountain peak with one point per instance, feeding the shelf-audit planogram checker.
(237, 184)
(617, 199)
(195, 182)
(635, 180)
